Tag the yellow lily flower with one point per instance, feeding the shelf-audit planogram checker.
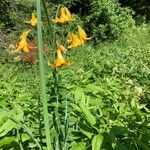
(74, 40)
(60, 61)
(33, 20)
(64, 17)
(23, 45)
(82, 34)
(77, 40)
(60, 47)
(69, 16)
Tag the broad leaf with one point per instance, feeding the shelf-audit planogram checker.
(97, 142)
(89, 117)
(79, 146)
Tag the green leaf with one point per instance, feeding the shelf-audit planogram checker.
(88, 134)
(6, 141)
(97, 142)
(79, 95)
(143, 145)
(6, 127)
(88, 116)
(75, 107)
(93, 88)
(79, 146)
(25, 137)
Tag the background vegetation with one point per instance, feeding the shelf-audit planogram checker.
(104, 94)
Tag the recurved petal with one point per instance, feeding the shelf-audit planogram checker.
(61, 47)
(26, 48)
(33, 20)
(24, 34)
(82, 33)
(60, 61)
(74, 40)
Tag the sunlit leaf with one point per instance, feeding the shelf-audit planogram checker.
(97, 142)
(79, 146)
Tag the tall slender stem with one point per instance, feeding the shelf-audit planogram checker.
(57, 119)
(66, 125)
(48, 21)
(42, 76)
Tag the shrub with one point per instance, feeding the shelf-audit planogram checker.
(5, 10)
(107, 20)
(140, 7)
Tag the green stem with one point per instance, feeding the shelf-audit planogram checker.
(28, 131)
(48, 20)
(51, 29)
(42, 76)
(57, 109)
(20, 139)
(56, 83)
(66, 124)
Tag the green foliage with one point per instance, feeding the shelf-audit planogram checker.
(109, 86)
(5, 9)
(104, 98)
(14, 12)
(107, 20)
(140, 7)
(103, 95)
(19, 104)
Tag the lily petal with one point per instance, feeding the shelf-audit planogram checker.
(64, 17)
(61, 47)
(33, 20)
(23, 45)
(74, 40)
(82, 34)
(60, 61)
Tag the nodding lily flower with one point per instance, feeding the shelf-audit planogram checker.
(33, 20)
(64, 17)
(69, 16)
(60, 47)
(23, 45)
(77, 40)
(74, 40)
(82, 35)
(60, 61)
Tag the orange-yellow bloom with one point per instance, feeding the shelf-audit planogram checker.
(23, 45)
(33, 20)
(82, 35)
(74, 40)
(60, 61)
(61, 47)
(69, 16)
(77, 40)
(64, 17)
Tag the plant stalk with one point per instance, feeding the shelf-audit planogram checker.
(42, 76)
